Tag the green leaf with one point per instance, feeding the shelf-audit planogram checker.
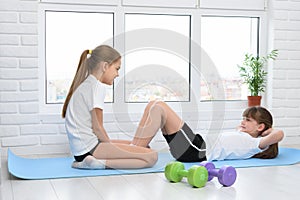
(252, 71)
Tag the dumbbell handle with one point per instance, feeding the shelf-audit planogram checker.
(213, 172)
(183, 173)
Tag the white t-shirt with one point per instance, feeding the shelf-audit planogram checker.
(78, 121)
(231, 145)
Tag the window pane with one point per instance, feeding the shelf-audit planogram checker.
(68, 34)
(226, 40)
(157, 57)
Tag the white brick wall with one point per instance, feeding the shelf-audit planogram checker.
(286, 76)
(26, 130)
(21, 125)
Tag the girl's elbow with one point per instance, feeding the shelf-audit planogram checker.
(280, 135)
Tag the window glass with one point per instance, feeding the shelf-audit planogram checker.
(157, 60)
(226, 40)
(68, 34)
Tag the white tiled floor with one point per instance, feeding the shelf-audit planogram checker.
(280, 182)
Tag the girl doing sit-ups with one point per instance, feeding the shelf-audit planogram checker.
(255, 136)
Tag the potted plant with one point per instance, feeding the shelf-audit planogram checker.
(254, 75)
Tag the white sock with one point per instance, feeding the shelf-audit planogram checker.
(89, 162)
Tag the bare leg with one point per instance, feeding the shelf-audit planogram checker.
(120, 156)
(157, 115)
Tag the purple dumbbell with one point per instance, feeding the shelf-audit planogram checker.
(226, 174)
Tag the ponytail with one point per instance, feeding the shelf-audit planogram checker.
(102, 53)
(82, 73)
(269, 153)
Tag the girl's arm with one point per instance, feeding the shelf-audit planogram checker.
(97, 125)
(270, 136)
(98, 128)
(121, 141)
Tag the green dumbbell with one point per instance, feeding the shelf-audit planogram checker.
(197, 176)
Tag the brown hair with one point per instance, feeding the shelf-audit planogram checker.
(86, 65)
(262, 116)
(270, 152)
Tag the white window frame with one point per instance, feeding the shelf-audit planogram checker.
(83, 2)
(211, 4)
(119, 11)
(233, 4)
(160, 3)
(186, 57)
(262, 40)
(43, 7)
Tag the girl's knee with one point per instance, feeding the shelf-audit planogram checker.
(152, 159)
(150, 105)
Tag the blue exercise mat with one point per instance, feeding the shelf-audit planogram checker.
(49, 168)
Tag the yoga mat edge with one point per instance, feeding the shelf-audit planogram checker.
(50, 168)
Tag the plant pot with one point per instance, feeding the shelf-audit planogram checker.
(254, 100)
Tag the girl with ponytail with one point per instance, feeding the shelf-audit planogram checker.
(83, 112)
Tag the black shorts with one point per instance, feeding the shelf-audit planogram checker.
(90, 153)
(185, 146)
